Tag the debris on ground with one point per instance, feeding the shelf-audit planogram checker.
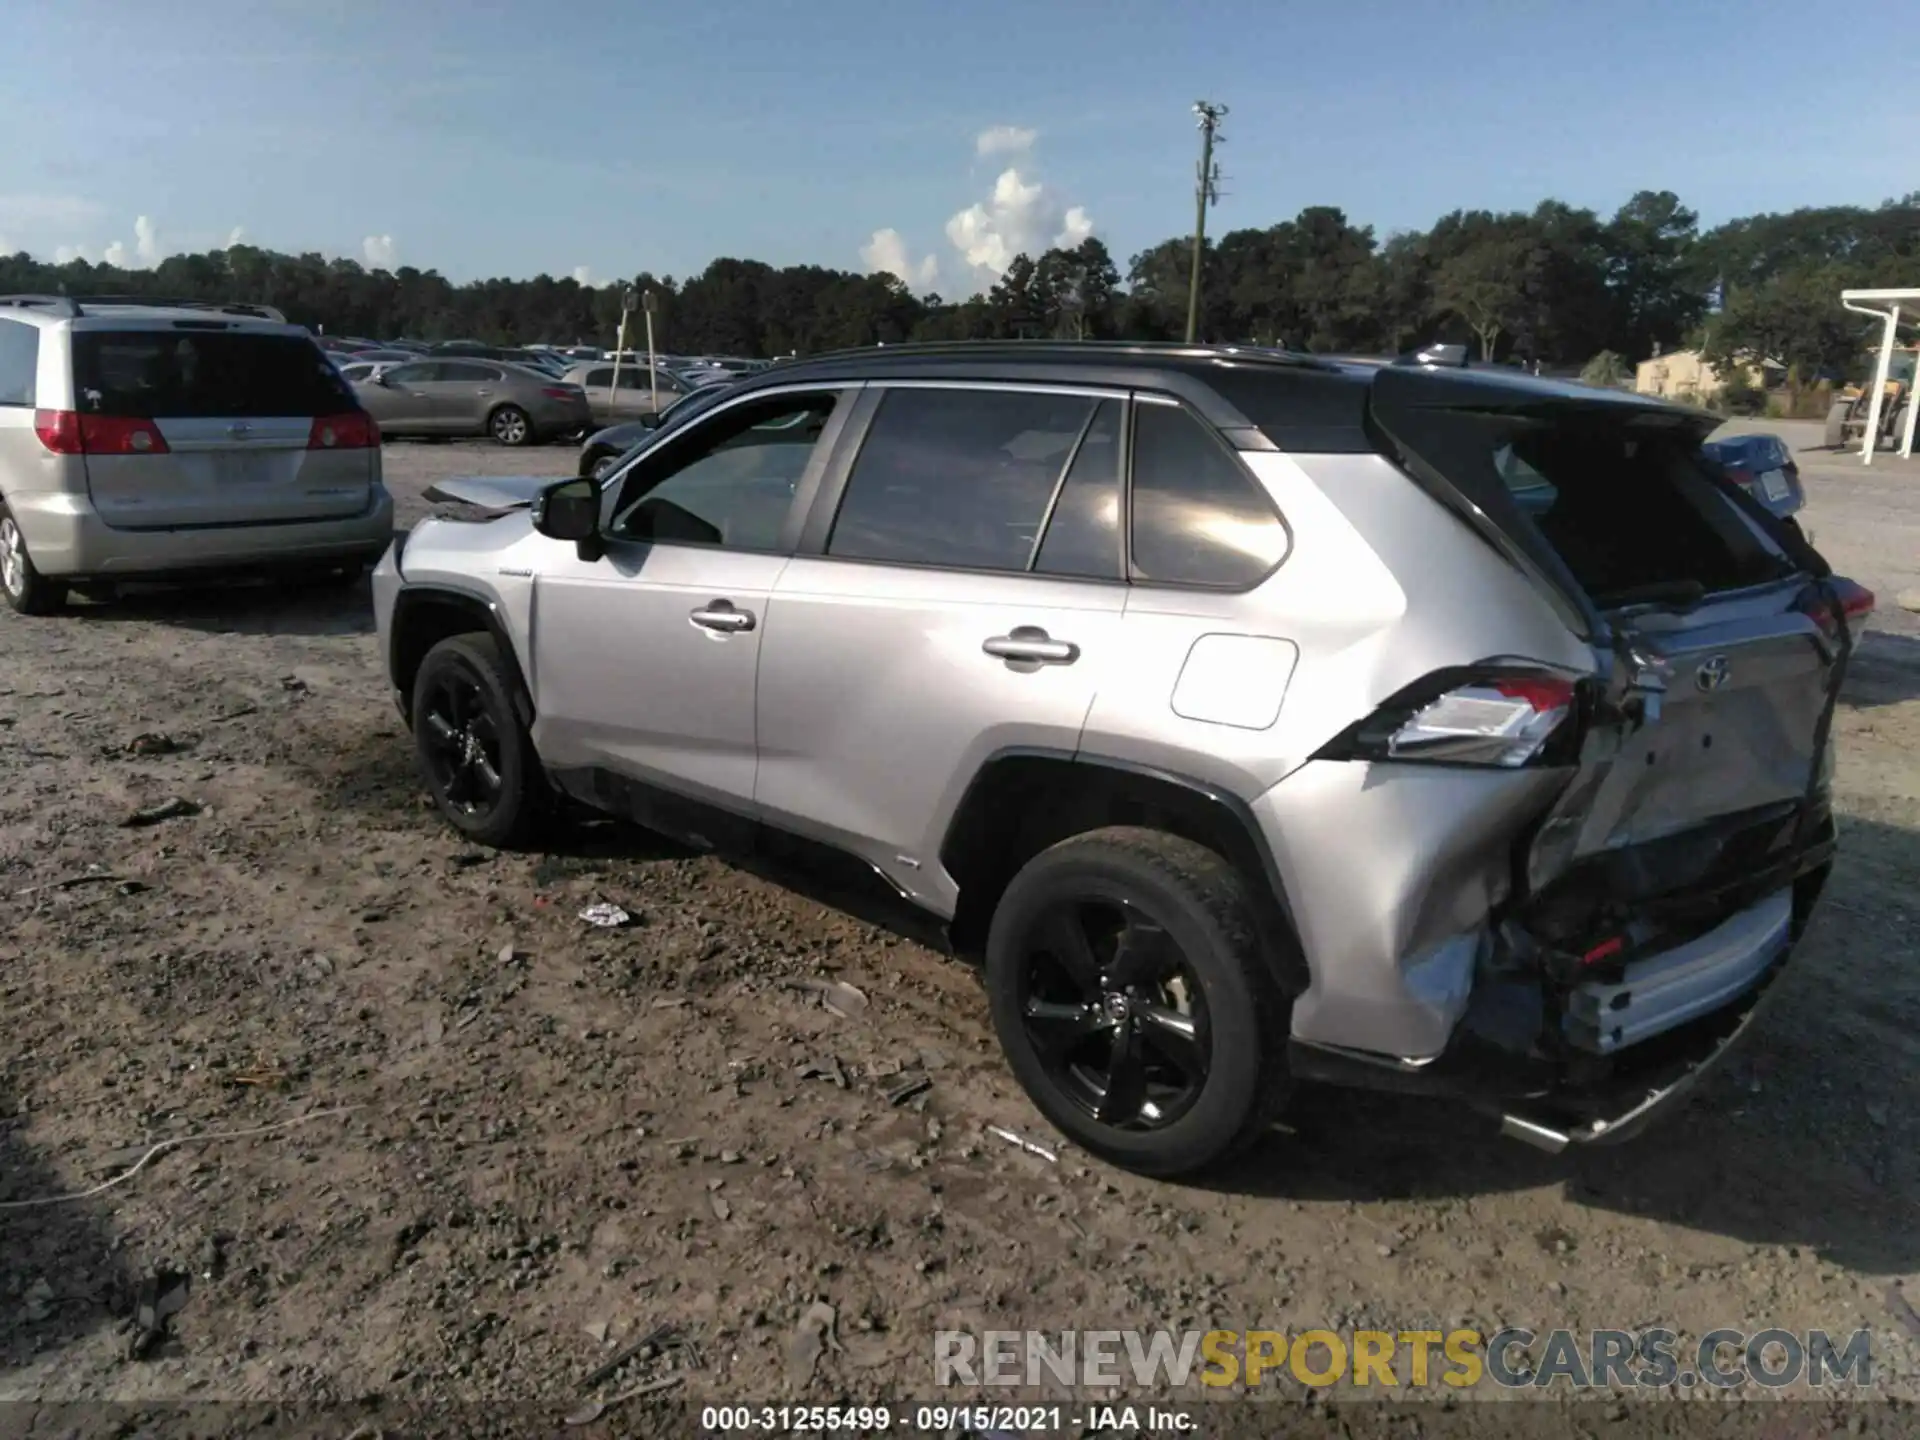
(38, 1302)
(162, 1296)
(173, 808)
(154, 742)
(293, 685)
(89, 877)
(846, 1001)
(907, 1089)
(597, 1331)
(605, 915)
(1025, 1144)
(827, 1069)
(594, 1409)
(812, 1337)
(1902, 1310)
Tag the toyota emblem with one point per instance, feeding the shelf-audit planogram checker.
(1712, 674)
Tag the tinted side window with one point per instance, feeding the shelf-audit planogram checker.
(465, 372)
(957, 477)
(1083, 533)
(1198, 518)
(413, 374)
(729, 482)
(19, 359)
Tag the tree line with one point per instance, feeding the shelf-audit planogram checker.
(1558, 286)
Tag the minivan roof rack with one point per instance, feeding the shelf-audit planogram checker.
(160, 302)
(64, 304)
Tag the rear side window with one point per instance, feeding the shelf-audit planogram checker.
(1083, 532)
(1198, 518)
(167, 374)
(960, 478)
(466, 372)
(19, 360)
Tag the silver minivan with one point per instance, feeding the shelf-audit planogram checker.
(147, 439)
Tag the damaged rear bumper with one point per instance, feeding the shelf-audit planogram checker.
(1609, 1088)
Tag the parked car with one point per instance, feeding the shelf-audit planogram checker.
(1329, 761)
(604, 449)
(512, 403)
(629, 395)
(164, 439)
(1764, 467)
(359, 372)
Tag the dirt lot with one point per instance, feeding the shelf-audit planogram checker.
(559, 1138)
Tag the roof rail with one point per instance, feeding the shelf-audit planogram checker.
(63, 304)
(161, 302)
(1089, 350)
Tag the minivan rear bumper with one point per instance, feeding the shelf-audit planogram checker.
(68, 540)
(1577, 1097)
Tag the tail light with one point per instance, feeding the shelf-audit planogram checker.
(1500, 720)
(562, 392)
(1856, 603)
(66, 432)
(353, 430)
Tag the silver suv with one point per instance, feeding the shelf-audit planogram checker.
(1256, 718)
(158, 439)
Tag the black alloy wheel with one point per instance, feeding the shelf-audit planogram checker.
(1114, 1011)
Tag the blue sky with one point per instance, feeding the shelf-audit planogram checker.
(482, 138)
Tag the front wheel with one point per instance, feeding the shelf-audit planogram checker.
(509, 425)
(475, 755)
(26, 589)
(1129, 992)
(1837, 414)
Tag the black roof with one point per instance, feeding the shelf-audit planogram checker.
(1297, 402)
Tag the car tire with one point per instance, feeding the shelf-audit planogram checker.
(475, 754)
(596, 465)
(27, 590)
(509, 425)
(1166, 971)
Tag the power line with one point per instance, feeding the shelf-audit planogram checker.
(1206, 191)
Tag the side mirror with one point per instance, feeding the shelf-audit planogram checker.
(570, 510)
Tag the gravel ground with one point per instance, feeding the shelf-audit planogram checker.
(558, 1139)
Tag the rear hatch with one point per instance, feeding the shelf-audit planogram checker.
(243, 426)
(1716, 651)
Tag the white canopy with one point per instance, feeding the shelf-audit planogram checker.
(1885, 306)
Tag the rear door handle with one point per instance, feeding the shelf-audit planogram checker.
(1030, 642)
(721, 616)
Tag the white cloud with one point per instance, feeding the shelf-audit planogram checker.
(1003, 140)
(236, 236)
(582, 275)
(380, 251)
(886, 253)
(116, 255)
(67, 254)
(1020, 217)
(146, 241)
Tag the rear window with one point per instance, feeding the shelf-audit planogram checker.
(168, 374)
(1630, 509)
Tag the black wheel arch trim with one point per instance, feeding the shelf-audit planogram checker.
(1289, 971)
(483, 607)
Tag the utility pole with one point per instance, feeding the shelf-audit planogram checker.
(1205, 192)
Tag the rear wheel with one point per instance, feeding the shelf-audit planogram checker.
(26, 589)
(598, 465)
(475, 755)
(509, 425)
(1130, 995)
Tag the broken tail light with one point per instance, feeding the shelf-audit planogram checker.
(1499, 720)
(1855, 601)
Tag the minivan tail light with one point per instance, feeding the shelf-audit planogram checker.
(66, 432)
(353, 430)
(1499, 720)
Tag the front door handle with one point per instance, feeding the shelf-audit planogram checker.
(1030, 642)
(721, 616)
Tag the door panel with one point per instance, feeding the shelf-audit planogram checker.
(624, 677)
(878, 697)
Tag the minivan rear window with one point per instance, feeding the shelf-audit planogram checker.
(170, 374)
